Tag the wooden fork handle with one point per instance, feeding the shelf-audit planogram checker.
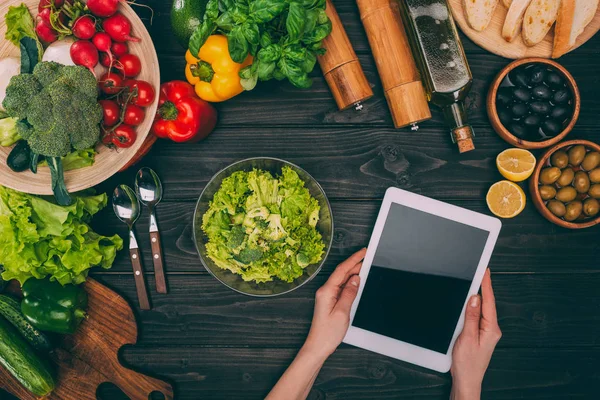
(157, 258)
(140, 282)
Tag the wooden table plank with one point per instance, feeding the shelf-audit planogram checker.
(553, 310)
(237, 373)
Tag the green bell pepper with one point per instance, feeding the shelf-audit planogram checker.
(51, 307)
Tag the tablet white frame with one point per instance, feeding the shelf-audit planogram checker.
(395, 348)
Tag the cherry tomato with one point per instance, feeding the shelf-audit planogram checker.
(134, 115)
(107, 136)
(111, 112)
(124, 136)
(130, 65)
(142, 92)
(110, 83)
(119, 49)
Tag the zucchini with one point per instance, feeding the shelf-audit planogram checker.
(10, 309)
(22, 362)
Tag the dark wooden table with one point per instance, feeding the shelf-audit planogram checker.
(213, 343)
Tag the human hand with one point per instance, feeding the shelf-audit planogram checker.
(475, 345)
(332, 307)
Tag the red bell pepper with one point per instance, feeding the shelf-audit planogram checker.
(181, 115)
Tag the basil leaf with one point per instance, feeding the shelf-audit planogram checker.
(265, 10)
(277, 74)
(295, 21)
(238, 45)
(239, 14)
(265, 39)
(270, 53)
(212, 10)
(225, 21)
(309, 62)
(295, 54)
(251, 33)
(265, 70)
(29, 54)
(311, 20)
(318, 34)
(322, 17)
(226, 4)
(301, 81)
(249, 76)
(200, 35)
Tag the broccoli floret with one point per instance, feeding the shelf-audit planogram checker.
(47, 72)
(19, 93)
(236, 237)
(276, 230)
(250, 255)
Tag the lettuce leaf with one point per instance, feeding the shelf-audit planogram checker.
(39, 238)
(20, 24)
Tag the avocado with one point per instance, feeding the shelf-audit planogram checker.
(186, 16)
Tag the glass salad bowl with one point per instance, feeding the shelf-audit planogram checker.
(235, 281)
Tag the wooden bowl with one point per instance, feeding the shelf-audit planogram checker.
(505, 133)
(108, 161)
(535, 181)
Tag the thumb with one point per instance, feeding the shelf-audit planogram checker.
(348, 295)
(472, 317)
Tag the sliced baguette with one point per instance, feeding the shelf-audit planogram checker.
(479, 12)
(514, 19)
(538, 20)
(573, 17)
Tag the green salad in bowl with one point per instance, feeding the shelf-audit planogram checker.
(263, 226)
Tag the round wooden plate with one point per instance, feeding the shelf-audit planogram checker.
(108, 161)
(491, 39)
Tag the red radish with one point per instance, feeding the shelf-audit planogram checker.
(103, 8)
(84, 53)
(130, 65)
(119, 49)
(119, 28)
(84, 27)
(105, 60)
(110, 83)
(134, 115)
(103, 42)
(45, 32)
(111, 112)
(45, 16)
(48, 3)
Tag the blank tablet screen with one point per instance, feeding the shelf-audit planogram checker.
(419, 279)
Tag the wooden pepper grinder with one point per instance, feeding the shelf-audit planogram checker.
(341, 68)
(397, 69)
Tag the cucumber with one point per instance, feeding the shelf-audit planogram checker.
(10, 309)
(186, 16)
(22, 362)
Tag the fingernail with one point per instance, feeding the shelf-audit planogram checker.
(474, 301)
(354, 281)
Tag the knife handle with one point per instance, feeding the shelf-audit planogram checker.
(140, 283)
(157, 258)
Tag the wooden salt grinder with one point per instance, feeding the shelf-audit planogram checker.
(341, 68)
(397, 69)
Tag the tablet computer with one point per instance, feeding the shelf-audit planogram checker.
(425, 260)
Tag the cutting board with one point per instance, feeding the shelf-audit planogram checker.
(90, 356)
(491, 38)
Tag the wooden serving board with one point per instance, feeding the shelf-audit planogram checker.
(90, 356)
(491, 38)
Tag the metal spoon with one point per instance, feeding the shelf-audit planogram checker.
(149, 190)
(127, 209)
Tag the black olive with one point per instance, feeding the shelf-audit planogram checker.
(554, 80)
(542, 92)
(505, 117)
(560, 113)
(540, 107)
(518, 77)
(537, 74)
(532, 121)
(504, 96)
(518, 110)
(518, 130)
(561, 96)
(521, 94)
(551, 127)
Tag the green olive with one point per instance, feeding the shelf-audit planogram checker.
(581, 182)
(557, 208)
(591, 160)
(574, 210)
(566, 177)
(549, 175)
(595, 175)
(559, 159)
(591, 207)
(547, 192)
(566, 194)
(595, 191)
(576, 155)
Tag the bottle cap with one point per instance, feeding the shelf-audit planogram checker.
(463, 137)
(408, 104)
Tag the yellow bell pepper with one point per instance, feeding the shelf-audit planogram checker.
(214, 75)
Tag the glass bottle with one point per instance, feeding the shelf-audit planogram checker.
(442, 62)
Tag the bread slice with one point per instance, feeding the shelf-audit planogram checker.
(538, 20)
(514, 19)
(479, 12)
(573, 17)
